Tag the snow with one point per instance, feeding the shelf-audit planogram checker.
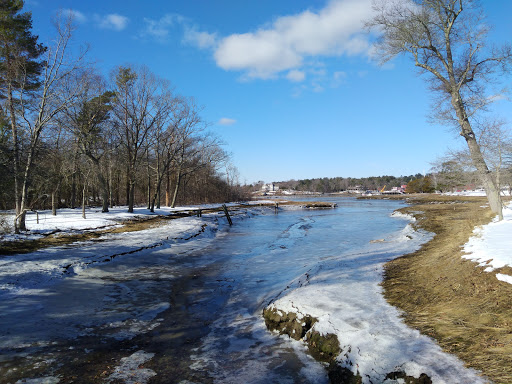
(352, 306)
(46, 266)
(39, 380)
(490, 245)
(129, 370)
(476, 192)
(345, 295)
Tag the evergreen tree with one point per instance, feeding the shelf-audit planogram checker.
(20, 69)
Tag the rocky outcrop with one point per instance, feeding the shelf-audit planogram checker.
(324, 347)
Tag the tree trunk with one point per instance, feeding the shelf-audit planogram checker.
(156, 196)
(149, 184)
(20, 219)
(131, 195)
(110, 182)
(73, 181)
(128, 185)
(118, 187)
(54, 206)
(176, 188)
(167, 188)
(485, 175)
(104, 193)
(16, 159)
(84, 192)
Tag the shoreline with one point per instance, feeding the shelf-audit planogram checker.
(357, 341)
(410, 283)
(451, 299)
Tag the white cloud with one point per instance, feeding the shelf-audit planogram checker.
(200, 39)
(335, 30)
(160, 28)
(112, 21)
(296, 76)
(226, 121)
(77, 16)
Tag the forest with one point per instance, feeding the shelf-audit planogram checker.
(71, 136)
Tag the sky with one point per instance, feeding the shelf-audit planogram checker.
(289, 86)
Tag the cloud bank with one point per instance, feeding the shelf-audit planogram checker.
(335, 30)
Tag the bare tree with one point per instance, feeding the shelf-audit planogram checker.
(38, 109)
(138, 109)
(88, 121)
(446, 39)
(496, 143)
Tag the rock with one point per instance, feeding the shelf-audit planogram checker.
(340, 375)
(423, 379)
(287, 323)
(323, 347)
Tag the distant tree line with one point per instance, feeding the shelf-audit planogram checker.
(70, 137)
(340, 184)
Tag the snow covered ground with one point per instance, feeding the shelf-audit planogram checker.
(342, 292)
(373, 338)
(70, 220)
(491, 245)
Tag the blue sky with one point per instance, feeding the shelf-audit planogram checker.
(288, 85)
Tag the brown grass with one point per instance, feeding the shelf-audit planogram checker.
(468, 311)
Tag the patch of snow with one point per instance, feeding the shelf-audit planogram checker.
(39, 380)
(403, 216)
(505, 278)
(477, 192)
(70, 220)
(490, 244)
(129, 370)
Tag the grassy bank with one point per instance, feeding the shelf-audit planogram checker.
(468, 311)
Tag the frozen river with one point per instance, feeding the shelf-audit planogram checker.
(161, 306)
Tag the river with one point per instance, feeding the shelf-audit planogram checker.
(189, 311)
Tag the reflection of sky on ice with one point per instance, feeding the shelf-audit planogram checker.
(318, 262)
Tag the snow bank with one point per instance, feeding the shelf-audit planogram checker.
(46, 266)
(406, 216)
(491, 244)
(478, 192)
(345, 295)
(70, 220)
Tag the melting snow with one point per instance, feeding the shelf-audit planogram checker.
(345, 296)
(491, 244)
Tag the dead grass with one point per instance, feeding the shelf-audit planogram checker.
(468, 311)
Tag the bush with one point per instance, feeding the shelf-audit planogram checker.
(423, 185)
(5, 224)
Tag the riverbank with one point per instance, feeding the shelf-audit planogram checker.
(68, 226)
(109, 304)
(338, 310)
(449, 298)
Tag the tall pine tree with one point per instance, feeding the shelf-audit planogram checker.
(20, 70)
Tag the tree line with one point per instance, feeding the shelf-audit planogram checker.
(340, 184)
(70, 136)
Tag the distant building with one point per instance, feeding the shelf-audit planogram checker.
(270, 188)
(356, 189)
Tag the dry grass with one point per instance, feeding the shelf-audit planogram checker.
(468, 311)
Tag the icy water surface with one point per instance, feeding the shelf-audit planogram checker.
(182, 311)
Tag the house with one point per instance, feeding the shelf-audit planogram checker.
(270, 188)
